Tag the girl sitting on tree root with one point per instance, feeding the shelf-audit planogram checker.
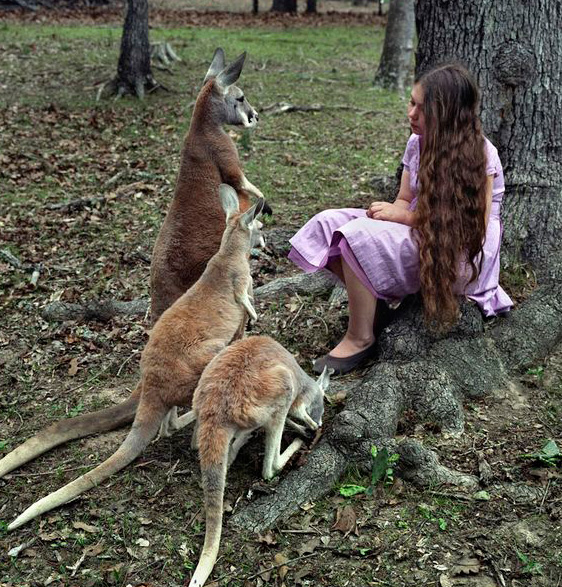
(441, 235)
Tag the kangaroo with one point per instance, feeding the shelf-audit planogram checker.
(191, 232)
(254, 383)
(188, 335)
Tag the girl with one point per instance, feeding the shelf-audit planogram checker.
(441, 235)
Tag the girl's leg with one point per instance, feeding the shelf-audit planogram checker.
(362, 308)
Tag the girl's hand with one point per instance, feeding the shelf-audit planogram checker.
(385, 211)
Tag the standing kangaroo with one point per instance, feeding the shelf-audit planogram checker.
(254, 383)
(188, 335)
(191, 232)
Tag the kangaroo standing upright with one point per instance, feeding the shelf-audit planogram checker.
(191, 232)
(188, 335)
(254, 383)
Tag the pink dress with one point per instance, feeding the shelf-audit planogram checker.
(385, 256)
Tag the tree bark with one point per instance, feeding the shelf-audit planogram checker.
(284, 6)
(519, 71)
(134, 74)
(394, 66)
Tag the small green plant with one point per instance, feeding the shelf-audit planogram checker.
(529, 567)
(549, 455)
(4, 444)
(76, 410)
(537, 371)
(382, 469)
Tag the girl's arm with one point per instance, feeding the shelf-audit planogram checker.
(398, 211)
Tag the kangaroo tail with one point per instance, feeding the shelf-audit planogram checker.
(145, 428)
(70, 429)
(213, 475)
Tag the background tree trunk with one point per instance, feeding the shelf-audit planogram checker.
(284, 6)
(134, 74)
(255, 6)
(311, 6)
(519, 70)
(396, 57)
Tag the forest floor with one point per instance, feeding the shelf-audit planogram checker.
(85, 186)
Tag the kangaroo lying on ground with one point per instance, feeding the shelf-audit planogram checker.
(254, 383)
(192, 230)
(188, 335)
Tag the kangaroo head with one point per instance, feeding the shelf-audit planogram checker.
(228, 102)
(246, 223)
(318, 388)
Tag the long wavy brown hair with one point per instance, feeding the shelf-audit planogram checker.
(451, 208)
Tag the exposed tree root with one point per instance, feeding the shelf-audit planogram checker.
(119, 88)
(303, 284)
(429, 376)
(163, 53)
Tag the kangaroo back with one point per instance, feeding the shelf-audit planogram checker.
(253, 383)
(192, 230)
(179, 348)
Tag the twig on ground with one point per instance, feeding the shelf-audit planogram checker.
(235, 574)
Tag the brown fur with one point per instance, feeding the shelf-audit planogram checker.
(192, 230)
(254, 383)
(188, 335)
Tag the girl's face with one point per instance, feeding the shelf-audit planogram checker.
(415, 110)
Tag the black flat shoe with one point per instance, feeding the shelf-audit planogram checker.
(342, 365)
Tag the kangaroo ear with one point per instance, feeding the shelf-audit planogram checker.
(230, 74)
(229, 199)
(217, 64)
(252, 213)
(324, 379)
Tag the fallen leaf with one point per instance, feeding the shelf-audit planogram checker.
(94, 550)
(445, 581)
(466, 566)
(142, 542)
(308, 547)
(85, 527)
(481, 496)
(267, 538)
(346, 520)
(281, 559)
(73, 369)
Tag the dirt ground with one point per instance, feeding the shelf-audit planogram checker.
(145, 526)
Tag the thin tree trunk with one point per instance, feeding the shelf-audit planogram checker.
(396, 58)
(134, 74)
(311, 6)
(284, 6)
(255, 6)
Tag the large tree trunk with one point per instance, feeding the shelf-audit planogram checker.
(396, 58)
(134, 74)
(284, 6)
(519, 70)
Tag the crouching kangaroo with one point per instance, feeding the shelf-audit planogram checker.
(187, 336)
(254, 383)
(191, 232)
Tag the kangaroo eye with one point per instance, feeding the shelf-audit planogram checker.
(241, 99)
